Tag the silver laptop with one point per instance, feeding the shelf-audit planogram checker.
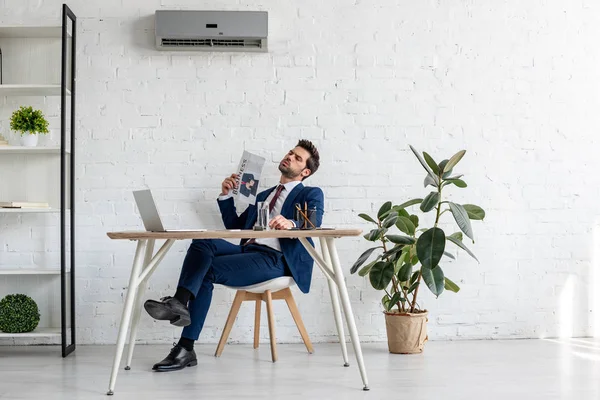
(149, 213)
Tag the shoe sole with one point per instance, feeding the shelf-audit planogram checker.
(160, 312)
(190, 364)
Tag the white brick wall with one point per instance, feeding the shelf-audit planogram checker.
(514, 83)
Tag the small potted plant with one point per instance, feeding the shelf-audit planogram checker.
(29, 123)
(408, 260)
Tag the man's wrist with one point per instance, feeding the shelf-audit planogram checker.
(223, 197)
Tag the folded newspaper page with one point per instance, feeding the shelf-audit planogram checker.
(249, 171)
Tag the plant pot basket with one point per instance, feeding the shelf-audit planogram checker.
(406, 332)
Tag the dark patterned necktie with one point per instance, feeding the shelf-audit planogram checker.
(274, 199)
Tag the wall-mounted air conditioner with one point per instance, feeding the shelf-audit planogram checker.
(211, 30)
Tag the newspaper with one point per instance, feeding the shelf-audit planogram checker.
(249, 172)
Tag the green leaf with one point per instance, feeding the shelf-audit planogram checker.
(449, 255)
(408, 204)
(434, 279)
(453, 177)
(461, 245)
(365, 270)
(403, 213)
(462, 219)
(454, 160)
(415, 220)
(387, 206)
(375, 234)
(474, 212)
(405, 272)
(429, 160)
(424, 164)
(392, 252)
(458, 182)
(390, 220)
(399, 239)
(429, 181)
(400, 262)
(414, 277)
(405, 225)
(367, 218)
(394, 300)
(363, 257)
(385, 301)
(413, 287)
(381, 275)
(457, 235)
(451, 286)
(430, 247)
(430, 201)
(404, 255)
(441, 166)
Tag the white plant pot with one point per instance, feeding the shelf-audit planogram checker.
(29, 140)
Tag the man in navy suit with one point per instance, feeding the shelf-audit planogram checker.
(252, 261)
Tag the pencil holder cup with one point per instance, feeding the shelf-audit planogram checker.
(307, 217)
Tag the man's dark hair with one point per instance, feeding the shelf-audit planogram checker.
(313, 161)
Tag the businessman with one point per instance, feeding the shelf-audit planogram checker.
(210, 261)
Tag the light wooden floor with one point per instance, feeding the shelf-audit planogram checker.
(482, 370)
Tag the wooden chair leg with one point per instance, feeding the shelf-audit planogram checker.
(257, 323)
(235, 307)
(271, 318)
(289, 299)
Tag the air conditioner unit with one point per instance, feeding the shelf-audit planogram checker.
(211, 30)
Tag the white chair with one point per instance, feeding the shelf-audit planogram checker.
(274, 289)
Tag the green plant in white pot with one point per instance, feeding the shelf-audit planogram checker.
(29, 123)
(409, 259)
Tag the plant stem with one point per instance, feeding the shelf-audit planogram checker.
(437, 220)
(394, 282)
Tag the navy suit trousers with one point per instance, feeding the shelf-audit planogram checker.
(210, 261)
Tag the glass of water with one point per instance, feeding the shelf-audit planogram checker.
(262, 220)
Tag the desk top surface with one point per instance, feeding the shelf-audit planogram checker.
(234, 234)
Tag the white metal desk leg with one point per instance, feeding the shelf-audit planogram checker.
(137, 307)
(335, 302)
(339, 277)
(126, 318)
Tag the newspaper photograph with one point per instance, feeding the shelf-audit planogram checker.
(248, 172)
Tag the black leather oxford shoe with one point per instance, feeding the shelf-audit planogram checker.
(169, 309)
(177, 359)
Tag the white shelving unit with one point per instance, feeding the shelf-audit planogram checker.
(31, 90)
(37, 333)
(32, 150)
(40, 61)
(29, 210)
(30, 271)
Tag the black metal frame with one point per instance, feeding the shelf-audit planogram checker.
(67, 15)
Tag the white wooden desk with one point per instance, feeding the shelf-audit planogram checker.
(146, 261)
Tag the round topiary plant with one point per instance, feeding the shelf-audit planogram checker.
(18, 314)
(27, 120)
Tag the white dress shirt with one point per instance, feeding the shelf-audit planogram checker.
(287, 189)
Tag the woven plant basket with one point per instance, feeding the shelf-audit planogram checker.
(406, 332)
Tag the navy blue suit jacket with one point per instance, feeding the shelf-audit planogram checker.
(295, 255)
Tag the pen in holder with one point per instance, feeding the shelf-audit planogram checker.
(306, 217)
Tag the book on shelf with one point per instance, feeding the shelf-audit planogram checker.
(22, 204)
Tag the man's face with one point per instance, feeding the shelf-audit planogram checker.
(293, 164)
